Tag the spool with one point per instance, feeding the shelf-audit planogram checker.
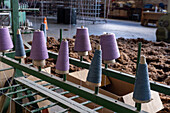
(142, 92)
(62, 64)
(19, 49)
(109, 47)
(95, 71)
(85, 53)
(40, 63)
(82, 41)
(5, 40)
(39, 49)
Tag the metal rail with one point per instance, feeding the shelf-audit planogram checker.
(54, 96)
(116, 74)
(165, 89)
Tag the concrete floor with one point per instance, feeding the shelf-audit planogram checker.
(122, 28)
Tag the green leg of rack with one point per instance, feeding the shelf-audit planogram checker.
(17, 106)
(6, 103)
(15, 19)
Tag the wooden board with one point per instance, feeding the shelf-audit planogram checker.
(120, 88)
(152, 107)
(82, 75)
(79, 78)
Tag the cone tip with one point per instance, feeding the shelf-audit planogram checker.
(104, 33)
(142, 60)
(82, 27)
(38, 30)
(18, 31)
(98, 47)
(65, 40)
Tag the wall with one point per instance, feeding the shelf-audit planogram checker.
(155, 2)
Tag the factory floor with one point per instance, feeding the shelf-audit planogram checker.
(121, 28)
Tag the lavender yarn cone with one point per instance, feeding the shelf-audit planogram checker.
(95, 71)
(109, 48)
(82, 41)
(62, 64)
(43, 28)
(142, 92)
(5, 40)
(39, 49)
(19, 48)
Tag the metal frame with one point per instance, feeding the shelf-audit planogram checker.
(100, 99)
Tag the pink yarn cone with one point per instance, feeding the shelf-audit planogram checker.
(82, 41)
(39, 48)
(5, 40)
(109, 47)
(62, 64)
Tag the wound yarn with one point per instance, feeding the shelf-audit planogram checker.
(19, 47)
(109, 47)
(39, 48)
(5, 40)
(95, 70)
(62, 64)
(82, 40)
(142, 92)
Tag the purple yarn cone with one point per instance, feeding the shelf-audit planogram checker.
(82, 41)
(5, 40)
(62, 63)
(39, 48)
(109, 47)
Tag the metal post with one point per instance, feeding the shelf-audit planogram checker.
(96, 90)
(39, 68)
(19, 60)
(138, 105)
(61, 35)
(106, 66)
(168, 6)
(139, 53)
(105, 9)
(64, 77)
(3, 53)
(81, 58)
(15, 19)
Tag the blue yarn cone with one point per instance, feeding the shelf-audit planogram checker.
(43, 28)
(142, 92)
(19, 48)
(95, 71)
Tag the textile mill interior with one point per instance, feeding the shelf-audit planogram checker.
(85, 56)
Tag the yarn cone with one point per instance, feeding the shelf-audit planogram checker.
(142, 92)
(43, 28)
(45, 22)
(95, 71)
(39, 49)
(62, 64)
(5, 40)
(109, 47)
(19, 48)
(82, 41)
